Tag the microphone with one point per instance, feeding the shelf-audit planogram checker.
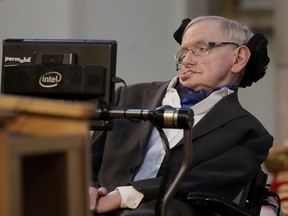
(168, 117)
(163, 117)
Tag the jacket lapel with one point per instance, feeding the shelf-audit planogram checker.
(154, 94)
(214, 118)
(152, 99)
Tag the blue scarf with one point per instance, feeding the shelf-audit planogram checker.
(189, 97)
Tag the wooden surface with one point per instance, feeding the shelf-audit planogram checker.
(44, 151)
(41, 106)
(42, 117)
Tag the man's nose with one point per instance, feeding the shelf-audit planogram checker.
(189, 58)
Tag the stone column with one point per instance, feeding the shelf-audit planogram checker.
(281, 34)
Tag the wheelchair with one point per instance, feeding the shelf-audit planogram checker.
(247, 203)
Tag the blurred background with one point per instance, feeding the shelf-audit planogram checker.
(144, 32)
(146, 48)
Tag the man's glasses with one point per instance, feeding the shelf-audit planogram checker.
(199, 49)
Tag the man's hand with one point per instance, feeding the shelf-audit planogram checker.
(94, 194)
(101, 201)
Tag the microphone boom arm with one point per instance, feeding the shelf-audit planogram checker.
(162, 118)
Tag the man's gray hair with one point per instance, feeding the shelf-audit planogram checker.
(235, 31)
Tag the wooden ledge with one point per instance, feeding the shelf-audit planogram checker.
(39, 106)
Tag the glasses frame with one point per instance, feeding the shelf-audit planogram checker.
(209, 46)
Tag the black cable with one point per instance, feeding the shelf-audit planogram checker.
(118, 80)
(265, 193)
(273, 194)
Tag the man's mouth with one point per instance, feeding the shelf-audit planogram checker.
(187, 74)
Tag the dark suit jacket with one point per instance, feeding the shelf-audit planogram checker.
(229, 145)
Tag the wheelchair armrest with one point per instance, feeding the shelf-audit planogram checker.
(210, 204)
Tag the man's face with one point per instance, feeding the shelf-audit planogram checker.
(211, 70)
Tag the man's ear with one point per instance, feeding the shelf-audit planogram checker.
(241, 58)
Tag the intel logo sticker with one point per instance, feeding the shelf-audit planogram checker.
(50, 79)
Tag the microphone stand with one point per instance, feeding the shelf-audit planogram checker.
(166, 168)
(162, 118)
(186, 162)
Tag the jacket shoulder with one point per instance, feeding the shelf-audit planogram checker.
(134, 93)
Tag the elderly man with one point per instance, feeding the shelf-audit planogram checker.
(217, 56)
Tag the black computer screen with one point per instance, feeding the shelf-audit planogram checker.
(60, 69)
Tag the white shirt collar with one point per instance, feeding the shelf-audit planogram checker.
(172, 98)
